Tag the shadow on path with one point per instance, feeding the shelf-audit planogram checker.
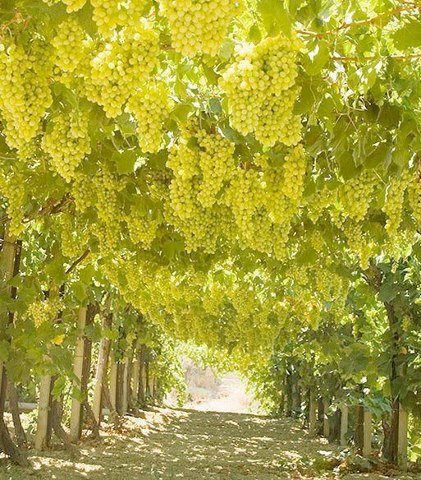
(188, 444)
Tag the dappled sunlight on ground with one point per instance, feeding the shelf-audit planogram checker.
(189, 444)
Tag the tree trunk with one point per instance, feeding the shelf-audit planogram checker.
(14, 409)
(396, 443)
(9, 268)
(101, 370)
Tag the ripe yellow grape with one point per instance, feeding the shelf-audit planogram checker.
(121, 66)
(24, 90)
(259, 86)
(199, 26)
(150, 106)
(67, 142)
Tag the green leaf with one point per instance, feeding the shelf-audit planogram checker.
(254, 35)
(274, 17)
(381, 154)
(80, 291)
(55, 269)
(409, 36)
(317, 58)
(125, 161)
(387, 292)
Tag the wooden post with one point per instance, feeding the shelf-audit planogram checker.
(312, 414)
(326, 429)
(101, 370)
(135, 380)
(367, 436)
(344, 425)
(403, 438)
(126, 385)
(41, 435)
(113, 383)
(80, 370)
(116, 387)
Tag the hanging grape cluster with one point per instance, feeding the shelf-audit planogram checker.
(150, 107)
(121, 66)
(199, 26)
(24, 90)
(260, 90)
(67, 142)
(356, 195)
(69, 45)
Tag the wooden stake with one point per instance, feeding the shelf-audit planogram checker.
(403, 438)
(41, 441)
(101, 371)
(76, 408)
(344, 425)
(326, 429)
(367, 436)
(312, 414)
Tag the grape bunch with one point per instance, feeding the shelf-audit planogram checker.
(12, 188)
(67, 142)
(261, 92)
(394, 200)
(199, 26)
(69, 45)
(414, 196)
(356, 194)
(150, 106)
(142, 230)
(121, 66)
(295, 167)
(43, 311)
(216, 161)
(24, 90)
(108, 15)
(82, 191)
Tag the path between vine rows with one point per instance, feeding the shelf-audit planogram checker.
(188, 444)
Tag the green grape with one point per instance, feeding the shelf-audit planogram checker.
(73, 5)
(24, 90)
(356, 195)
(260, 89)
(107, 186)
(393, 203)
(150, 107)
(295, 167)
(12, 188)
(358, 243)
(69, 45)
(216, 160)
(72, 235)
(122, 66)
(110, 14)
(319, 201)
(142, 230)
(82, 192)
(67, 142)
(43, 311)
(199, 26)
(414, 196)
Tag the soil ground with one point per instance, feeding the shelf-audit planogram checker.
(190, 444)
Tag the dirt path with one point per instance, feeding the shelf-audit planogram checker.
(173, 444)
